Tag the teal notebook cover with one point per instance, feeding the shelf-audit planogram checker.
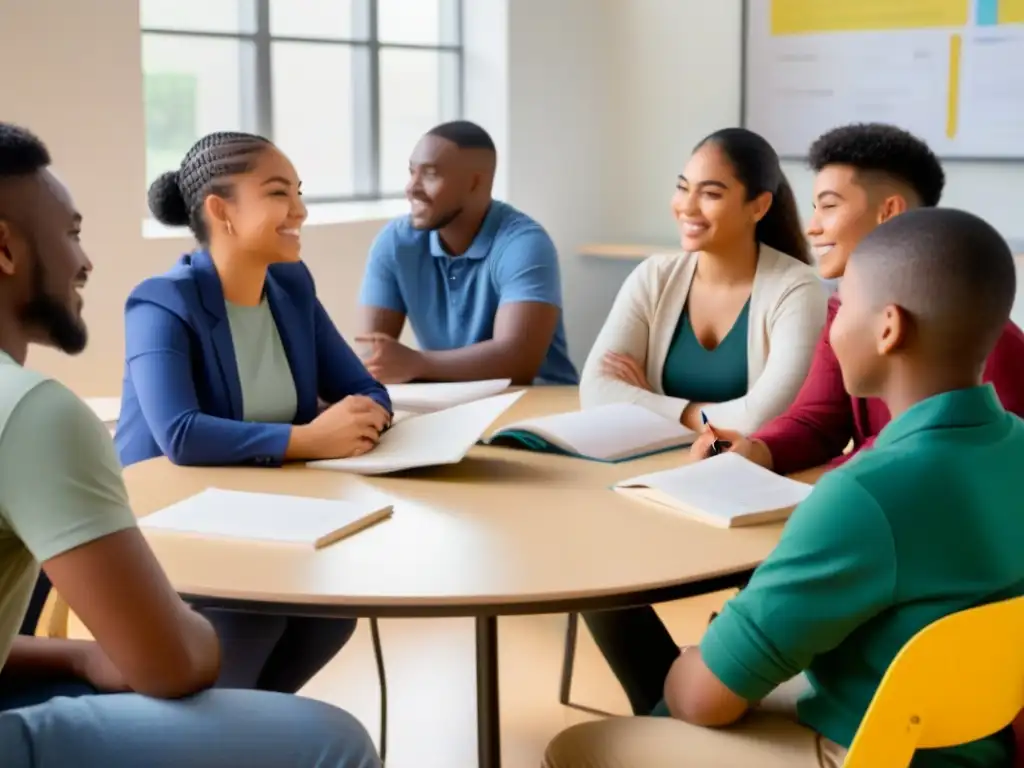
(520, 438)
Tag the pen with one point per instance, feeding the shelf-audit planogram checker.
(716, 445)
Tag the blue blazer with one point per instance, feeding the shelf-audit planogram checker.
(181, 395)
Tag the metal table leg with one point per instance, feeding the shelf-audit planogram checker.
(488, 714)
(378, 655)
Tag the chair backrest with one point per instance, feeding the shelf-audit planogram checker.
(956, 681)
(54, 618)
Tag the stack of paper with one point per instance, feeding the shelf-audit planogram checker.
(725, 490)
(266, 517)
(615, 432)
(429, 397)
(433, 439)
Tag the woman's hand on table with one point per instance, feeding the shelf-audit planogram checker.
(350, 427)
(753, 450)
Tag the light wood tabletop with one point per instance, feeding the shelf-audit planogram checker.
(502, 532)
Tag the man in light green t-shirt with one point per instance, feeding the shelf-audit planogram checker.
(120, 701)
(920, 526)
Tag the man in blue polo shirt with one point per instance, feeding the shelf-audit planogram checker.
(477, 279)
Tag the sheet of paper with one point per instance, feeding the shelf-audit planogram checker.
(108, 409)
(257, 516)
(609, 430)
(428, 397)
(431, 439)
(726, 485)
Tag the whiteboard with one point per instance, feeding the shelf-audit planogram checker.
(950, 71)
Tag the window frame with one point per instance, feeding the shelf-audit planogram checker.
(258, 93)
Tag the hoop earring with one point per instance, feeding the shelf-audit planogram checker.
(231, 229)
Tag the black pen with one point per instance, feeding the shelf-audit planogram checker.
(717, 446)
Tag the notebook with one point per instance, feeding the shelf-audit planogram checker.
(611, 433)
(266, 517)
(726, 490)
(429, 397)
(427, 440)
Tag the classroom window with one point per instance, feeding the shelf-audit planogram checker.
(344, 87)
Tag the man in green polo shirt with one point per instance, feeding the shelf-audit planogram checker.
(918, 527)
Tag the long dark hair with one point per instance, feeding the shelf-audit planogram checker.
(757, 167)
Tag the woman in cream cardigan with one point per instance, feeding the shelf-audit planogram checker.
(727, 327)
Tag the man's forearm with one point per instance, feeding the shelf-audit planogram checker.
(490, 359)
(44, 658)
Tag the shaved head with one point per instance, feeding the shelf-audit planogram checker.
(950, 270)
(464, 135)
(933, 287)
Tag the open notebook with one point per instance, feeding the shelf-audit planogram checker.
(615, 432)
(432, 439)
(435, 396)
(266, 517)
(726, 490)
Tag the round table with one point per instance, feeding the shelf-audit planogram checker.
(504, 532)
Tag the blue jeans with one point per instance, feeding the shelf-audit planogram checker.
(220, 728)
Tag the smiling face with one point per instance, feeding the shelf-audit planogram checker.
(440, 181)
(710, 204)
(43, 254)
(845, 210)
(264, 212)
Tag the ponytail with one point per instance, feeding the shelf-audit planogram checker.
(757, 167)
(780, 228)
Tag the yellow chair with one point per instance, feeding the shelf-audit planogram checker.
(956, 681)
(54, 618)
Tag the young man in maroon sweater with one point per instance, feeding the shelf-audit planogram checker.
(866, 174)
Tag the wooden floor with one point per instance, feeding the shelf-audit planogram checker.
(432, 685)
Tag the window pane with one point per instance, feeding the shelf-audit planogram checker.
(312, 87)
(423, 22)
(192, 86)
(238, 16)
(343, 19)
(418, 90)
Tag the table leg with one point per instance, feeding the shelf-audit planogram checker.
(488, 715)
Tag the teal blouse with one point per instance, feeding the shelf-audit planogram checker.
(700, 375)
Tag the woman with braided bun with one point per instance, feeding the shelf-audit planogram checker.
(228, 357)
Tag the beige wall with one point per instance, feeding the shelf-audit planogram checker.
(84, 97)
(82, 93)
(594, 105)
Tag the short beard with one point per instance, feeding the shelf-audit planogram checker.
(62, 329)
(442, 221)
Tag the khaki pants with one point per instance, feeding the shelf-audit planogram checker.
(768, 737)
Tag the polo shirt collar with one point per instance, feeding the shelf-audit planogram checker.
(972, 407)
(481, 245)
